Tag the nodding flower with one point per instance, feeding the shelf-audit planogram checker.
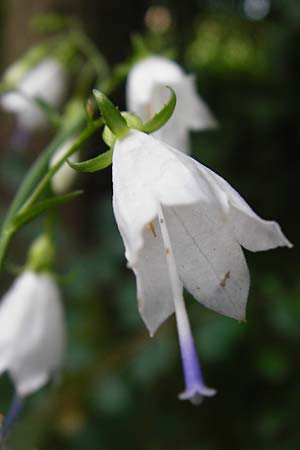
(183, 226)
(32, 336)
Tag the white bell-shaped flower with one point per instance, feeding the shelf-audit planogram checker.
(146, 93)
(32, 337)
(46, 81)
(183, 226)
(65, 176)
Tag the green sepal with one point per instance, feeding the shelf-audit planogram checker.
(108, 137)
(111, 115)
(162, 117)
(42, 206)
(93, 165)
(132, 120)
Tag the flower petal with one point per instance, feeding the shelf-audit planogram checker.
(41, 346)
(146, 94)
(33, 336)
(191, 109)
(146, 172)
(210, 261)
(252, 232)
(154, 291)
(143, 77)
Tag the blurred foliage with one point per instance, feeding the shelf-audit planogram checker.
(118, 387)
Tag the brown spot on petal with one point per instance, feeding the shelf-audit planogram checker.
(224, 281)
(167, 251)
(151, 228)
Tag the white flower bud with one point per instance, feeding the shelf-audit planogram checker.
(32, 336)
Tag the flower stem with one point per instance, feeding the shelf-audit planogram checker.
(90, 129)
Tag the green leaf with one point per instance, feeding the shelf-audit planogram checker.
(93, 165)
(111, 115)
(25, 217)
(162, 116)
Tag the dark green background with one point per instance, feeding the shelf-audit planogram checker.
(118, 389)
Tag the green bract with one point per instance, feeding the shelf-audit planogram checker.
(162, 117)
(93, 165)
(111, 115)
(118, 126)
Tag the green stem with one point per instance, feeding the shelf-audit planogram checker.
(90, 129)
(27, 194)
(5, 239)
(39, 167)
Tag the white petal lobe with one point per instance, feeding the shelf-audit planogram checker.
(211, 263)
(154, 292)
(252, 232)
(146, 172)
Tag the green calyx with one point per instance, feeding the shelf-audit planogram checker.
(132, 121)
(111, 115)
(118, 125)
(41, 255)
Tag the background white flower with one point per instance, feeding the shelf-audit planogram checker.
(32, 336)
(47, 81)
(146, 93)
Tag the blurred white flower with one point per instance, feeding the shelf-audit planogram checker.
(32, 337)
(146, 93)
(183, 227)
(65, 176)
(46, 81)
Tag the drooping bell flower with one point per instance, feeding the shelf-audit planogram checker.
(32, 337)
(46, 81)
(31, 331)
(146, 94)
(65, 176)
(183, 226)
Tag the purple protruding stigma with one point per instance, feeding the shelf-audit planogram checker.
(195, 388)
(11, 416)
